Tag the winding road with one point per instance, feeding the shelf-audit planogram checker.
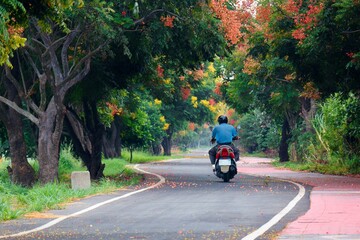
(180, 199)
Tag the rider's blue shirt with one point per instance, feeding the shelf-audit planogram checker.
(224, 133)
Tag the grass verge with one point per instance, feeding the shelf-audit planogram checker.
(17, 201)
(324, 168)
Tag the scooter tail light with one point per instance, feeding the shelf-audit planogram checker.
(224, 152)
(232, 155)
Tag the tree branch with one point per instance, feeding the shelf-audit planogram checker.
(13, 81)
(20, 110)
(64, 51)
(42, 80)
(77, 67)
(350, 32)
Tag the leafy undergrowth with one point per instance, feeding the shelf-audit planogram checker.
(324, 168)
(17, 201)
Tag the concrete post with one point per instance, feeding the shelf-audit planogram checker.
(80, 180)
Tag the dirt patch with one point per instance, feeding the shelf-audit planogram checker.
(41, 215)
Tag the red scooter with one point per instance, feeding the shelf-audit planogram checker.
(225, 164)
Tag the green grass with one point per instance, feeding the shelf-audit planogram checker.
(16, 201)
(143, 157)
(324, 168)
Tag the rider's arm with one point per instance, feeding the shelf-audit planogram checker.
(213, 139)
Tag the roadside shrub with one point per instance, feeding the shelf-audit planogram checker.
(301, 143)
(67, 161)
(258, 132)
(337, 128)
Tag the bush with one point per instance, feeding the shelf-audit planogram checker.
(337, 128)
(258, 132)
(301, 143)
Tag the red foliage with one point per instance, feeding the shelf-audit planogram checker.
(212, 102)
(191, 126)
(263, 14)
(230, 112)
(217, 89)
(350, 54)
(185, 91)
(160, 71)
(168, 21)
(232, 20)
(304, 20)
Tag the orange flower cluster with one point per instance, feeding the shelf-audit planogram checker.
(115, 110)
(251, 66)
(198, 74)
(310, 91)
(168, 21)
(15, 30)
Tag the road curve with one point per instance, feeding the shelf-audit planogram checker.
(182, 199)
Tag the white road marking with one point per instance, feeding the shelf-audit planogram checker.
(278, 216)
(60, 219)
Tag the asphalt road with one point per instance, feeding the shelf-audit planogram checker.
(191, 204)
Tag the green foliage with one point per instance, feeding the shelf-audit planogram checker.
(337, 140)
(337, 125)
(12, 13)
(141, 122)
(68, 163)
(185, 139)
(301, 142)
(258, 132)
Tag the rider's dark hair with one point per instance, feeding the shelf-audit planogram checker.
(222, 119)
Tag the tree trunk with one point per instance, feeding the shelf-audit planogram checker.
(166, 144)
(21, 172)
(112, 141)
(284, 145)
(131, 154)
(156, 149)
(50, 129)
(308, 110)
(87, 137)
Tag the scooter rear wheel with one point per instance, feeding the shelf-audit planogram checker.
(226, 177)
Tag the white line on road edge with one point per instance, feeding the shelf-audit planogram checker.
(278, 216)
(60, 219)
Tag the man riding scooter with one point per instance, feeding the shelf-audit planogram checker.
(223, 134)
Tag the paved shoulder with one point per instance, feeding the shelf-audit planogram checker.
(335, 202)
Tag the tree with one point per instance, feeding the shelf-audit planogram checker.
(20, 170)
(57, 68)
